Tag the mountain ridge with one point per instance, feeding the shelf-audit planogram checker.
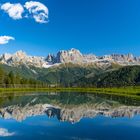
(68, 56)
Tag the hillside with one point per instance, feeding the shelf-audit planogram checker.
(62, 75)
(74, 75)
(10, 78)
(125, 76)
(65, 75)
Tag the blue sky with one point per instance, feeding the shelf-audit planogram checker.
(92, 26)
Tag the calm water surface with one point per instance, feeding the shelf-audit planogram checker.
(68, 116)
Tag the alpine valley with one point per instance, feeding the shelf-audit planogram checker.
(73, 69)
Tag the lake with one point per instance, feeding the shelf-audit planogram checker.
(68, 116)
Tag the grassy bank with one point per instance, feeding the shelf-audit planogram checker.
(130, 91)
(124, 90)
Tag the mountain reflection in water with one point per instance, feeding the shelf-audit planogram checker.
(67, 107)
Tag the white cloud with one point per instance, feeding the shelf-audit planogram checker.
(38, 11)
(31, 9)
(5, 39)
(4, 133)
(15, 11)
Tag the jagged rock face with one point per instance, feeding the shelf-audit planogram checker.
(90, 58)
(20, 58)
(71, 56)
(124, 58)
(6, 56)
(50, 59)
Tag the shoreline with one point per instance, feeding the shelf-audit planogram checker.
(121, 91)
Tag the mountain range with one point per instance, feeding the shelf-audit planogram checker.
(71, 56)
(73, 69)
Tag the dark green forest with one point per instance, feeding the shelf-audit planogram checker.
(121, 77)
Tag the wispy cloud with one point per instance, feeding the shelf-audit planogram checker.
(5, 39)
(14, 11)
(5, 133)
(31, 9)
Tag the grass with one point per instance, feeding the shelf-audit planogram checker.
(129, 92)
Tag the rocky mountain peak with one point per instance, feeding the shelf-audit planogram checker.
(20, 54)
(73, 56)
(6, 56)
